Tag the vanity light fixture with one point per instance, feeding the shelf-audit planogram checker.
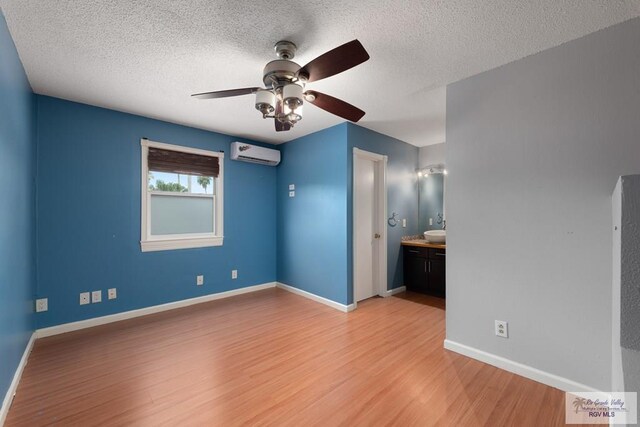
(432, 169)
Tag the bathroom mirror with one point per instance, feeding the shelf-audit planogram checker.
(431, 196)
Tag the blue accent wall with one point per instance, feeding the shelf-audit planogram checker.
(402, 195)
(88, 213)
(17, 209)
(315, 236)
(312, 226)
(89, 216)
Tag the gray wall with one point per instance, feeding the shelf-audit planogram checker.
(626, 283)
(617, 374)
(630, 264)
(534, 150)
(431, 155)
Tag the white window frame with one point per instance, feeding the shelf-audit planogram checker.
(148, 242)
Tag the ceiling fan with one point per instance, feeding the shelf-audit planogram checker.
(284, 80)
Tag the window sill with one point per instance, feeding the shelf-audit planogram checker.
(170, 244)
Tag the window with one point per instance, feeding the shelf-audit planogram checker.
(182, 197)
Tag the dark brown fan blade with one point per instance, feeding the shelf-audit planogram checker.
(335, 61)
(335, 106)
(226, 93)
(280, 127)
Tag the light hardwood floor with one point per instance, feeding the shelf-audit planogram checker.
(274, 358)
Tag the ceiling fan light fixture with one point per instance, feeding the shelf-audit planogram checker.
(292, 116)
(292, 95)
(292, 103)
(265, 102)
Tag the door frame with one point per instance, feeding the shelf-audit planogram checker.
(380, 185)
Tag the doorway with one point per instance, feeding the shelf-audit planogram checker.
(369, 219)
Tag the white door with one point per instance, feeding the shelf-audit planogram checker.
(367, 235)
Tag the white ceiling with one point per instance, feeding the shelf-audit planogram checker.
(147, 56)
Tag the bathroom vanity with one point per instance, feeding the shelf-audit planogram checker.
(424, 266)
(424, 260)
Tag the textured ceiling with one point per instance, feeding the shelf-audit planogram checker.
(147, 56)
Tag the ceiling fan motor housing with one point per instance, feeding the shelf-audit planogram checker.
(280, 70)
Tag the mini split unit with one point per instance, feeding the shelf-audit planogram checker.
(254, 154)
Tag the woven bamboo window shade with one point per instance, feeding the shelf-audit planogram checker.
(184, 163)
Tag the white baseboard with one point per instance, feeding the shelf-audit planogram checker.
(395, 291)
(8, 398)
(96, 321)
(526, 371)
(316, 298)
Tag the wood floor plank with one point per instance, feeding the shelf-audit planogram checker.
(272, 358)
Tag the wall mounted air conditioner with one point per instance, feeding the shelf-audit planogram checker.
(254, 154)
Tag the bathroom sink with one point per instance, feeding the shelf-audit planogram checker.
(435, 236)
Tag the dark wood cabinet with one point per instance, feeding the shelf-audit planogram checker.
(415, 273)
(436, 279)
(424, 270)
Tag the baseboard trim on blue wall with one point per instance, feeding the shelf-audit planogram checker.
(316, 298)
(97, 321)
(8, 398)
(395, 291)
(526, 371)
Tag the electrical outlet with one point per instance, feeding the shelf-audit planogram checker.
(430, 221)
(42, 304)
(200, 280)
(96, 296)
(502, 329)
(292, 187)
(85, 298)
(112, 293)
(404, 223)
(292, 194)
(234, 274)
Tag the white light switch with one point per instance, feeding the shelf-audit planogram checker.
(200, 280)
(430, 221)
(112, 293)
(292, 187)
(404, 223)
(292, 194)
(42, 304)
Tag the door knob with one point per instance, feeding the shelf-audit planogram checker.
(377, 236)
